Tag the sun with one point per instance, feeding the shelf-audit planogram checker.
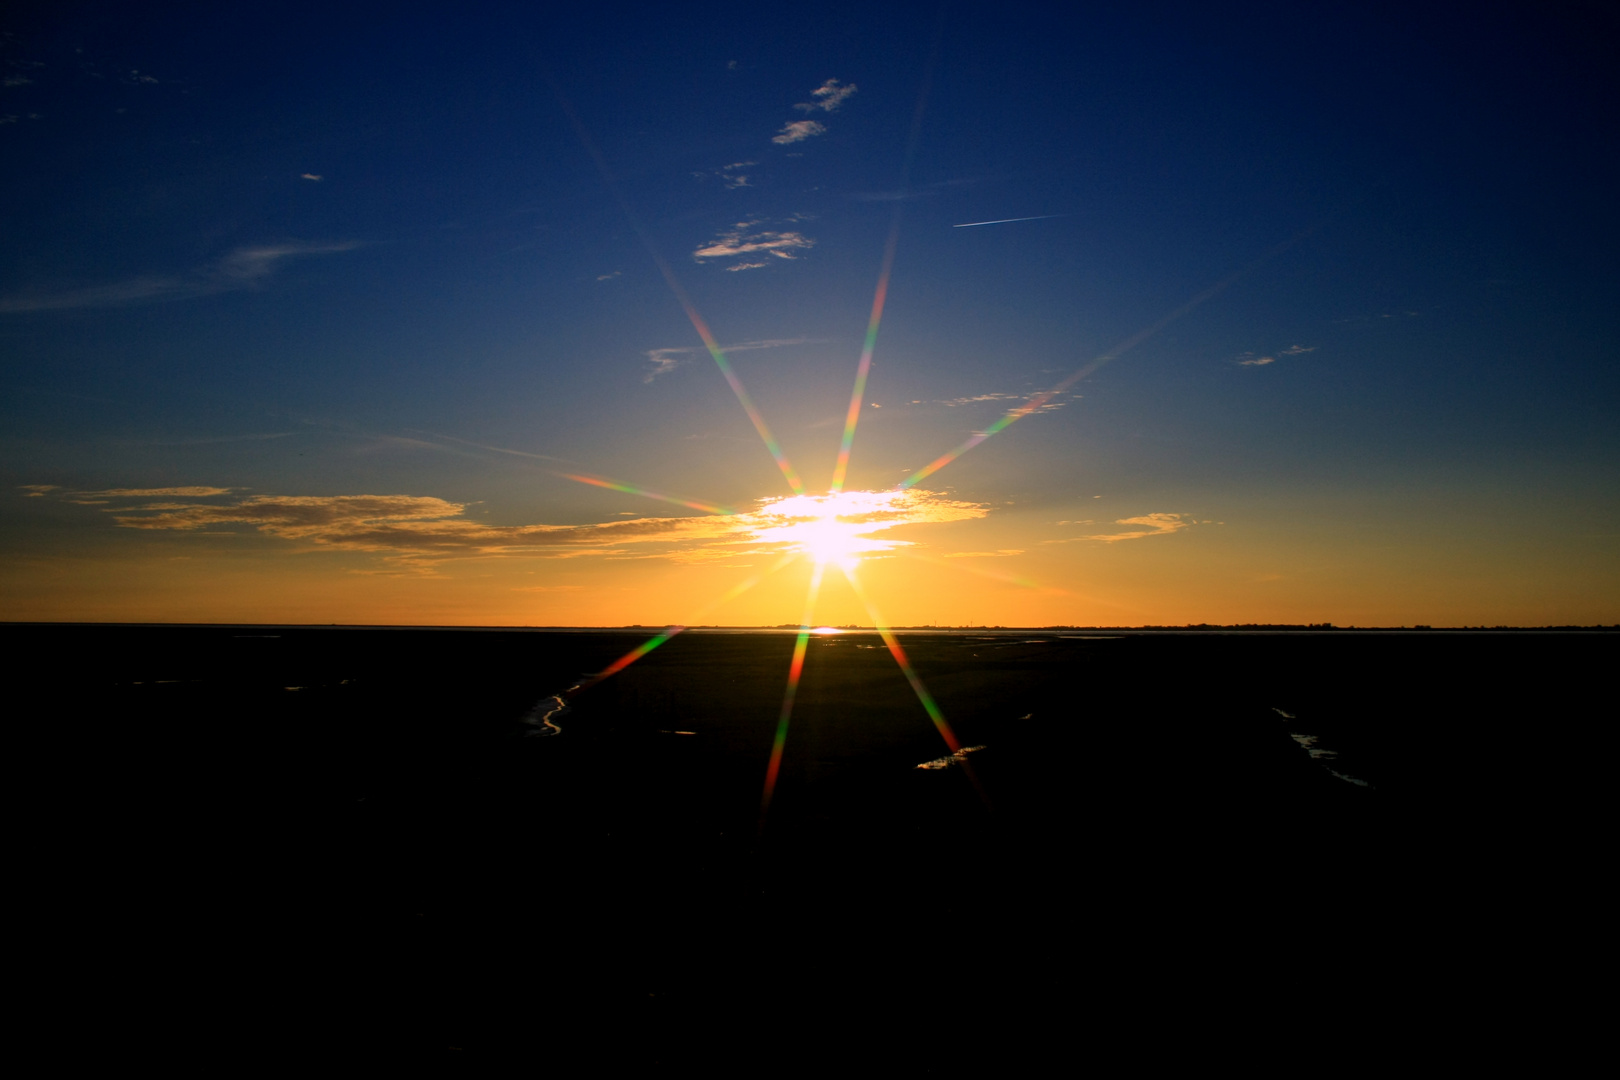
(833, 528)
(836, 527)
(829, 540)
(825, 534)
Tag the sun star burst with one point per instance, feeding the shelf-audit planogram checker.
(836, 527)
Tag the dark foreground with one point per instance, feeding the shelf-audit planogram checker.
(254, 843)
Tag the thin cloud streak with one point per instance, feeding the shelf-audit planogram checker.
(194, 492)
(664, 361)
(797, 131)
(485, 446)
(220, 439)
(1044, 406)
(1006, 220)
(241, 269)
(1156, 524)
(1250, 359)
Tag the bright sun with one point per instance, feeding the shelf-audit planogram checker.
(836, 527)
(830, 541)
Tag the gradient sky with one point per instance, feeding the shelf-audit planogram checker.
(314, 314)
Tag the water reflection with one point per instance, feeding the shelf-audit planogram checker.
(539, 719)
(953, 759)
(1312, 745)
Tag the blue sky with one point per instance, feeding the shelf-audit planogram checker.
(280, 253)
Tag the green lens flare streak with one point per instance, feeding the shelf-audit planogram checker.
(899, 654)
(880, 296)
(795, 670)
(857, 396)
(670, 631)
(628, 658)
(978, 437)
(631, 489)
(747, 402)
(1035, 403)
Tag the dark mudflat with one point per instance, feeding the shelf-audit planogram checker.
(322, 842)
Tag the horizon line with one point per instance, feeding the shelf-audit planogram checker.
(1323, 627)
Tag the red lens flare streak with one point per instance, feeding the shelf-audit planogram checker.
(670, 631)
(795, 670)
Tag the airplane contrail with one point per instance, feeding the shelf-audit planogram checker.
(1003, 221)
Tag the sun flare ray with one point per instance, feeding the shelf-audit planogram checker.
(858, 396)
(930, 706)
(1035, 403)
(670, 631)
(795, 670)
(631, 489)
(681, 296)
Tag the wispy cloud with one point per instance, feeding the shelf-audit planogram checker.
(193, 492)
(739, 242)
(828, 96)
(241, 269)
(984, 554)
(1250, 359)
(480, 446)
(422, 530)
(731, 175)
(253, 263)
(102, 498)
(974, 399)
(663, 361)
(132, 291)
(312, 176)
(609, 277)
(797, 131)
(1147, 525)
(916, 192)
(825, 98)
(218, 439)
